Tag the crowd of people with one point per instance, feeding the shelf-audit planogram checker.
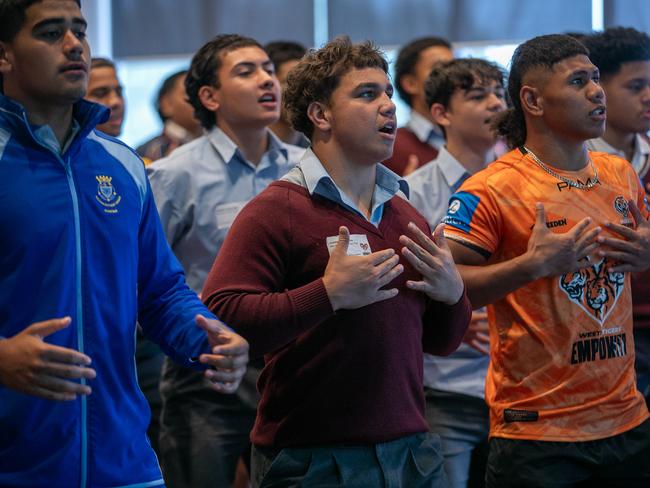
(284, 288)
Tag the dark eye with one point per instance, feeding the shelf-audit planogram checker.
(81, 35)
(51, 34)
(635, 87)
(367, 94)
(577, 81)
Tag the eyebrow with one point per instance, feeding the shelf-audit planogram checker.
(360, 86)
(60, 20)
(584, 72)
(252, 64)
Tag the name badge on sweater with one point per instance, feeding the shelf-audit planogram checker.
(359, 245)
(227, 212)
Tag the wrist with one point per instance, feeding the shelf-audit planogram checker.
(331, 295)
(530, 268)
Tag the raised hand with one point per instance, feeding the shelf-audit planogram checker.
(632, 252)
(30, 365)
(552, 254)
(229, 356)
(441, 280)
(355, 281)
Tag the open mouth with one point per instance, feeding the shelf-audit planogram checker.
(74, 67)
(267, 97)
(598, 111)
(388, 128)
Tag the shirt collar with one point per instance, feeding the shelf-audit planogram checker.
(420, 126)
(45, 136)
(318, 181)
(641, 150)
(228, 150)
(451, 169)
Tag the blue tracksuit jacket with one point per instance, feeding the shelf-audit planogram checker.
(80, 236)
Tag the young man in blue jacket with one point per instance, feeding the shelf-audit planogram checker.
(82, 257)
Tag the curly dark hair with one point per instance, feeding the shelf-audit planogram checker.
(319, 72)
(408, 57)
(543, 51)
(203, 71)
(611, 48)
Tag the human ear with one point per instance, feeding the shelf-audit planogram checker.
(531, 101)
(5, 59)
(319, 115)
(209, 97)
(440, 114)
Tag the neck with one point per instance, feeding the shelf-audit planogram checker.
(354, 178)
(563, 154)
(623, 141)
(285, 132)
(472, 157)
(420, 107)
(252, 142)
(58, 117)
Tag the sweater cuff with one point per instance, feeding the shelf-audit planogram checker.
(311, 302)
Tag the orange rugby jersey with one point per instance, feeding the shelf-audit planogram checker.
(562, 350)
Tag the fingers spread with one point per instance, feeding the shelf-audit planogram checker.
(48, 327)
(621, 230)
(379, 257)
(65, 355)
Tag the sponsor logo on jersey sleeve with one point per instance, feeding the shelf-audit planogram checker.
(462, 206)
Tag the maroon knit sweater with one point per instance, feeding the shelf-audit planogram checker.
(351, 377)
(407, 143)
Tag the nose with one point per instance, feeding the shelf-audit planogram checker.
(645, 94)
(267, 80)
(72, 44)
(596, 93)
(496, 103)
(388, 107)
(115, 100)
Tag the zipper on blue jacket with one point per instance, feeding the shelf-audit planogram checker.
(80, 337)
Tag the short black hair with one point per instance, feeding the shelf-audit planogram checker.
(542, 51)
(319, 73)
(408, 57)
(282, 51)
(165, 88)
(613, 47)
(101, 63)
(203, 71)
(12, 17)
(459, 74)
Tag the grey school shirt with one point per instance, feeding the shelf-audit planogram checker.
(201, 187)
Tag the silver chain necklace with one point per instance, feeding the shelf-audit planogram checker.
(575, 184)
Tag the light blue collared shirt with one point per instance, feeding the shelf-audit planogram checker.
(311, 174)
(640, 159)
(431, 186)
(201, 187)
(425, 131)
